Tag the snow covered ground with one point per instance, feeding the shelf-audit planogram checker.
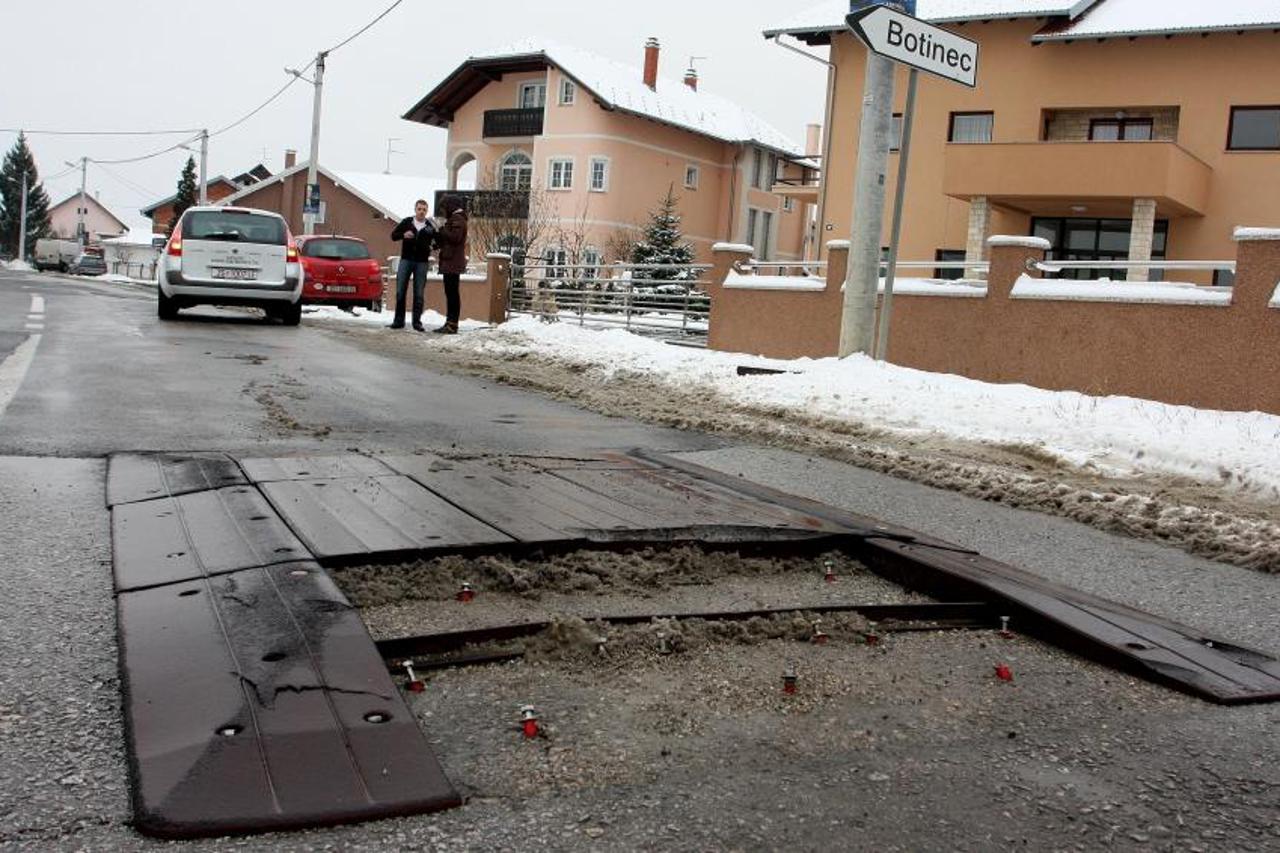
(17, 265)
(1113, 436)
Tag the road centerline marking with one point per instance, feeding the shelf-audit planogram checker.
(14, 369)
(37, 303)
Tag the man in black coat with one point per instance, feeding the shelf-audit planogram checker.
(417, 236)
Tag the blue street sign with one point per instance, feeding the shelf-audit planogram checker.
(311, 204)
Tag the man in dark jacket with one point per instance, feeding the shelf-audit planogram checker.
(452, 238)
(417, 235)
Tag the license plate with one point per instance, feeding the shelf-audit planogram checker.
(234, 274)
(340, 288)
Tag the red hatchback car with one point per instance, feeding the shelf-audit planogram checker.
(340, 271)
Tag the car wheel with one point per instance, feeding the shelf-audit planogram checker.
(291, 314)
(166, 306)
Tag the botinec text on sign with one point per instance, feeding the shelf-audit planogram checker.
(912, 42)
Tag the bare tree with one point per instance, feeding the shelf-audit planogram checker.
(503, 219)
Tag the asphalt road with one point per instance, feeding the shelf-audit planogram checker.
(95, 372)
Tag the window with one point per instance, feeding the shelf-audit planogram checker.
(691, 175)
(757, 175)
(591, 260)
(568, 92)
(516, 172)
(971, 127)
(760, 232)
(599, 174)
(561, 173)
(949, 256)
(1224, 278)
(766, 228)
(1121, 129)
(788, 204)
(1096, 240)
(533, 96)
(557, 259)
(753, 217)
(895, 138)
(774, 164)
(1254, 129)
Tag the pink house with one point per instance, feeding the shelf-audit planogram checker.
(64, 219)
(598, 144)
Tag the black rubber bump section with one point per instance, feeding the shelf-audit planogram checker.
(257, 701)
(133, 477)
(313, 468)
(198, 535)
(347, 518)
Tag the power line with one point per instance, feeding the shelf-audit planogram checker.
(265, 103)
(121, 179)
(150, 156)
(363, 29)
(28, 132)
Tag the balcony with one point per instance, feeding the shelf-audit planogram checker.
(490, 204)
(1046, 177)
(512, 124)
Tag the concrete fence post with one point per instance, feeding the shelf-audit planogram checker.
(724, 257)
(1011, 258)
(837, 264)
(1257, 282)
(499, 277)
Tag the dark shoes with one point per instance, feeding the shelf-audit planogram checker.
(418, 327)
(399, 324)
(447, 329)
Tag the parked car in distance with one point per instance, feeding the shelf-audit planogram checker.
(88, 264)
(54, 254)
(340, 271)
(231, 256)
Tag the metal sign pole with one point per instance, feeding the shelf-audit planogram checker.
(891, 274)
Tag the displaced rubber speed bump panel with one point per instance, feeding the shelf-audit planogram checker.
(385, 517)
(133, 477)
(256, 701)
(313, 468)
(197, 535)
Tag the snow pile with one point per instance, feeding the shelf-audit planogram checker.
(1118, 436)
(18, 265)
(1106, 290)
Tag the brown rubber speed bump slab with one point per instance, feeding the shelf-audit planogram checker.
(313, 468)
(133, 477)
(382, 516)
(256, 701)
(203, 534)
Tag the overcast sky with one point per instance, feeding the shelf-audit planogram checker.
(162, 64)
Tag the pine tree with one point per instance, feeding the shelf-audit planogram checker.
(186, 192)
(16, 162)
(663, 242)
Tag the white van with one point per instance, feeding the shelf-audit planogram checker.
(231, 256)
(54, 254)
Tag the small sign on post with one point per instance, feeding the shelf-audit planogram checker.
(914, 43)
(311, 204)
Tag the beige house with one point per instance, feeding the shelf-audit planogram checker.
(100, 223)
(1115, 129)
(599, 144)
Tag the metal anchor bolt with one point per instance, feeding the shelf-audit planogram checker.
(467, 593)
(830, 572)
(1004, 628)
(529, 721)
(871, 637)
(789, 679)
(416, 685)
(819, 637)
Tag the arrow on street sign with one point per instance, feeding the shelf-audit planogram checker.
(912, 42)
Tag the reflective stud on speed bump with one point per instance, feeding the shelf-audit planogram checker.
(467, 594)
(528, 721)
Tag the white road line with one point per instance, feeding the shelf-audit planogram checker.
(37, 304)
(34, 327)
(14, 369)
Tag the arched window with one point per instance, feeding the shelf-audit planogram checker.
(516, 172)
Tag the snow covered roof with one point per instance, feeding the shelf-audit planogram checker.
(391, 195)
(1140, 17)
(1071, 19)
(829, 16)
(616, 86)
(152, 208)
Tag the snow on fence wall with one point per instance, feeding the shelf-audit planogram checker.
(1202, 346)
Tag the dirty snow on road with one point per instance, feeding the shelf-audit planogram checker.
(1112, 436)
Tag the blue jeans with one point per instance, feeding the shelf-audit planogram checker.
(419, 271)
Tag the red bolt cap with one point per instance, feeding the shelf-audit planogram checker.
(1003, 672)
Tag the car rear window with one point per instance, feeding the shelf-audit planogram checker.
(235, 227)
(336, 250)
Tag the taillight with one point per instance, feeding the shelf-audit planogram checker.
(175, 242)
(292, 252)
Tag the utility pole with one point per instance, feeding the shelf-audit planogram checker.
(313, 179)
(204, 166)
(22, 221)
(82, 232)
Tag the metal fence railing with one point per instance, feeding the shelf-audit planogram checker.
(1222, 271)
(658, 300)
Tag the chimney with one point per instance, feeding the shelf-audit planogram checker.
(691, 79)
(813, 140)
(651, 50)
(290, 158)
